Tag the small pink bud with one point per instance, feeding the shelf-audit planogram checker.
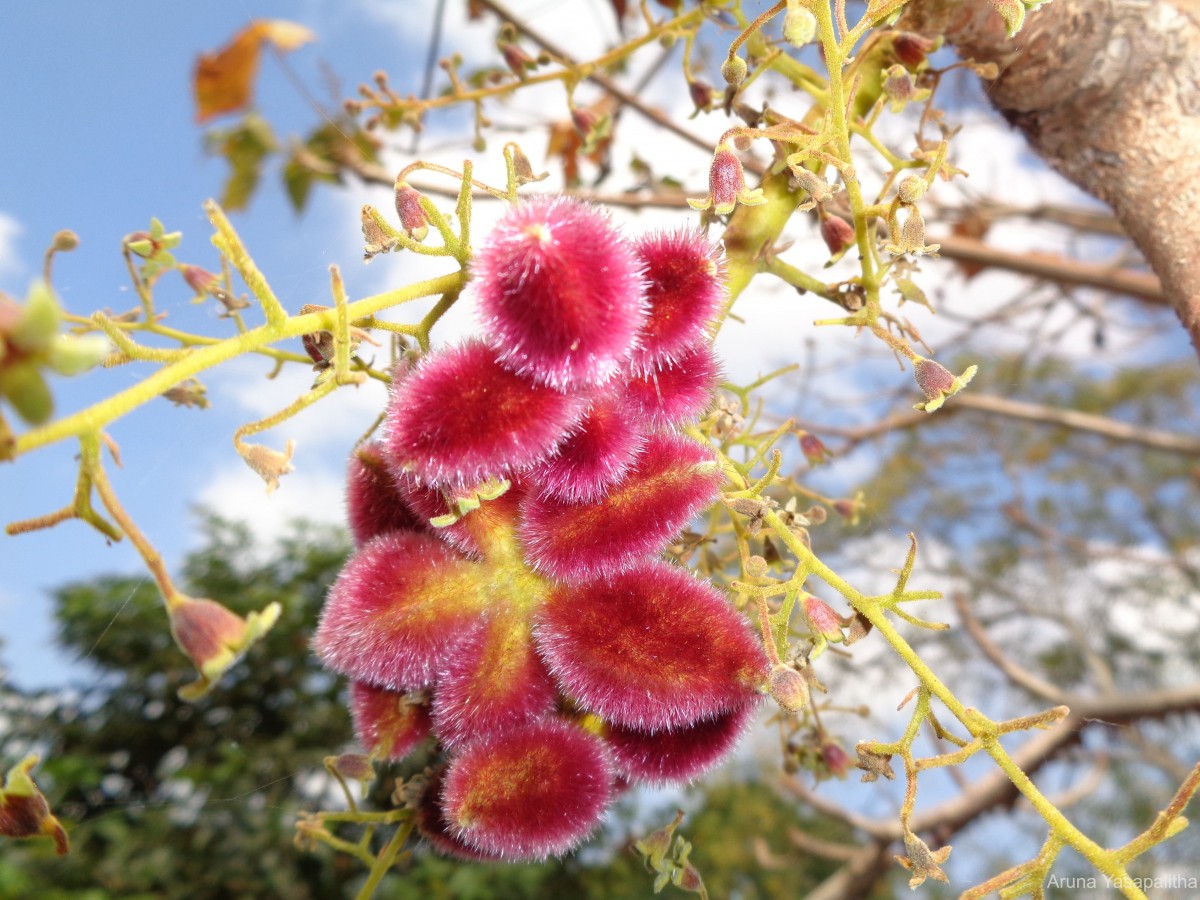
(354, 766)
(836, 759)
(408, 208)
(814, 449)
(727, 184)
(838, 234)
(821, 618)
(215, 638)
(911, 49)
(702, 95)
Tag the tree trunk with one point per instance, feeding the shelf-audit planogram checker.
(1108, 92)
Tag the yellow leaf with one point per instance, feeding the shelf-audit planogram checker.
(224, 81)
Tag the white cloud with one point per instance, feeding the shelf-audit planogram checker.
(10, 259)
(312, 492)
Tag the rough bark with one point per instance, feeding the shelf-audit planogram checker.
(1108, 92)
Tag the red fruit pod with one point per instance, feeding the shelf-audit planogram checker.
(671, 480)
(650, 649)
(493, 682)
(374, 505)
(432, 824)
(685, 277)
(397, 607)
(560, 292)
(461, 418)
(389, 724)
(594, 458)
(675, 392)
(681, 754)
(528, 793)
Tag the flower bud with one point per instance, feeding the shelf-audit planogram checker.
(64, 241)
(727, 184)
(355, 766)
(822, 620)
(912, 189)
(799, 24)
(408, 208)
(835, 758)
(733, 70)
(787, 688)
(814, 449)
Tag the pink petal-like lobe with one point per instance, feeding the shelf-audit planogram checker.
(595, 457)
(650, 649)
(529, 793)
(397, 607)
(681, 754)
(493, 682)
(685, 289)
(373, 503)
(461, 418)
(559, 292)
(388, 723)
(432, 824)
(674, 392)
(671, 480)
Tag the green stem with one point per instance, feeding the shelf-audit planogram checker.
(100, 414)
(386, 858)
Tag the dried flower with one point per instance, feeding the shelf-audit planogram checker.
(921, 861)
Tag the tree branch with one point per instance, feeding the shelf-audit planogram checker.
(1108, 92)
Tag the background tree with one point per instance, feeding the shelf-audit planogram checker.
(1055, 492)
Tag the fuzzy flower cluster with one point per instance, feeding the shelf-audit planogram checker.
(508, 595)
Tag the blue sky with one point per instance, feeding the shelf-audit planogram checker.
(100, 136)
